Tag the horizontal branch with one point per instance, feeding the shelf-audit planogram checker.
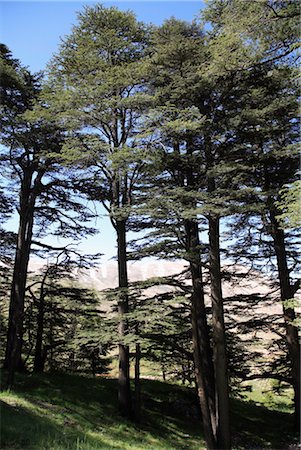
(49, 247)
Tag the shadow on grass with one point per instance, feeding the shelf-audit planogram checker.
(69, 388)
(256, 426)
(77, 412)
(173, 412)
(92, 401)
(90, 405)
(23, 429)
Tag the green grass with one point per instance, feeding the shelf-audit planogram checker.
(61, 412)
(262, 394)
(73, 412)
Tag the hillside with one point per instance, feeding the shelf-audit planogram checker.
(68, 412)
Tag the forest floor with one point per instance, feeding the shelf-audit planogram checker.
(62, 412)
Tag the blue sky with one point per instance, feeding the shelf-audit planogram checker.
(32, 31)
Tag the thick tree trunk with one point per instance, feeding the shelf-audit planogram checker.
(13, 360)
(291, 330)
(219, 338)
(124, 390)
(202, 353)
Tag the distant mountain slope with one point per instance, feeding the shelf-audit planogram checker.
(106, 275)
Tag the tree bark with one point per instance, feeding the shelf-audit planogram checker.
(200, 380)
(286, 293)
(39, 362)
(13, 360)
(124, 390)
(222, 406)
(39, 357)
(137, 384)
(202, 353)
(219, 338)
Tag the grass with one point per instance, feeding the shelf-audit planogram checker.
(262, 393)
(61, 412)
(74, 412)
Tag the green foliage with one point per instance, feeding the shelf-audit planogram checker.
(244, 34)
(289, 205)
(71, 319)
(96, 91)
(31, 157)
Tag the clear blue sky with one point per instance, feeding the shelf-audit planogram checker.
(32, 30)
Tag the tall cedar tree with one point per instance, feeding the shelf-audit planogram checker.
(247, 39)
(30, 161)
(98, 74)
(266, 120)
(269, 127)
(180, 125)
(263, 127)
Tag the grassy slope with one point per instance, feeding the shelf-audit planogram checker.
(72, 412)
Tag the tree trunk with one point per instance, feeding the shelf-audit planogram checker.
(51, 340)
(219, 338)
(137, 384)
(39, 358)
(222, 407)
(202, 353)
(200, 379)
(13, 360)
(124, 390)
(286, 292)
